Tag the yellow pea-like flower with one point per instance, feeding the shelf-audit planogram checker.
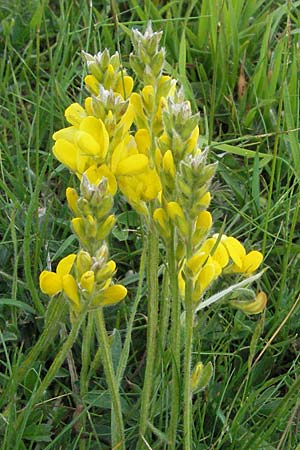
(111, 295)
(87, 281)
(51, 283)
(75, 113)
(176, 214)
(83, 262)
(92, 84)
(95, 174)
(217, 251)
(196, 375)
(143, 141)
(106, 272)
(168, 163)
(161, 218)
(71, 290)
(105, 227)
(92, 137)
(255, 306)
(205, 199)
(193, 140)
(148, 98)
(250, 263)
(124, 86)
(132, 165)
(72, 198)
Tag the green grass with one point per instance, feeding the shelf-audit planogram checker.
(238, 61)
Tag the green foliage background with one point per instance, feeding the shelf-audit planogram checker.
(239, 63)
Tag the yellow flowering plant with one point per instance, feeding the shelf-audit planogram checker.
(143, 140)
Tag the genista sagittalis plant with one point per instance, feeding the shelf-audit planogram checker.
(140, 138)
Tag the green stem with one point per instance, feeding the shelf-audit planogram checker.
(117, 434)
(152, 275)
(126, 347)
(175, 340)
(188, 345)
(57, 363)
(86, 355)
(87, 336)
(56, 310)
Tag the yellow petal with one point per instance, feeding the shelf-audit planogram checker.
(88, 102)
(126, 120)
(113, 294)
(174, 209)
(204, 220)
(253, 307)
(92, 84)
(192, 141)
(68, 134)
(176, 214)
(87, 281)
(106, 272)
(65, 265)
(218, 253)
(252, 261)
(72, 198)
(181, 282)
(205, 200)
(119, 153)
(157, 158)
(196, 262)
(168, 163)
(206, 276)
(66, 153)
(50, 283)
(132, 165)
(106, 227)
(124, 86)
(95, 175)
(161, 218)
(88, 145)
(143, 142)
(93, 137)
(136, 102)
(148, 97)
(196, 375)
(79, 227)
(71, 290)
(235, 250)
(152, 184)
(83, 262)
(75, 113)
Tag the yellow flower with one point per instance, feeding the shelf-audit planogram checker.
(87, 281)
(111, 295)
(126, 160)
(92, 84)
(124, 86)
(249, 264)
(225, 248)
(168, 164)
(203, 225)
(51, 283)
(176, 214)
(143, 141)
(255, 306)
(75, 113)
(162, 221)
(72, 198)
(95, 175)
(78, 147)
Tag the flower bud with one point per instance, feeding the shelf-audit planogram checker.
(83, 262)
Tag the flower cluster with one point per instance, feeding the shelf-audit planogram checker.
(160, 169)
